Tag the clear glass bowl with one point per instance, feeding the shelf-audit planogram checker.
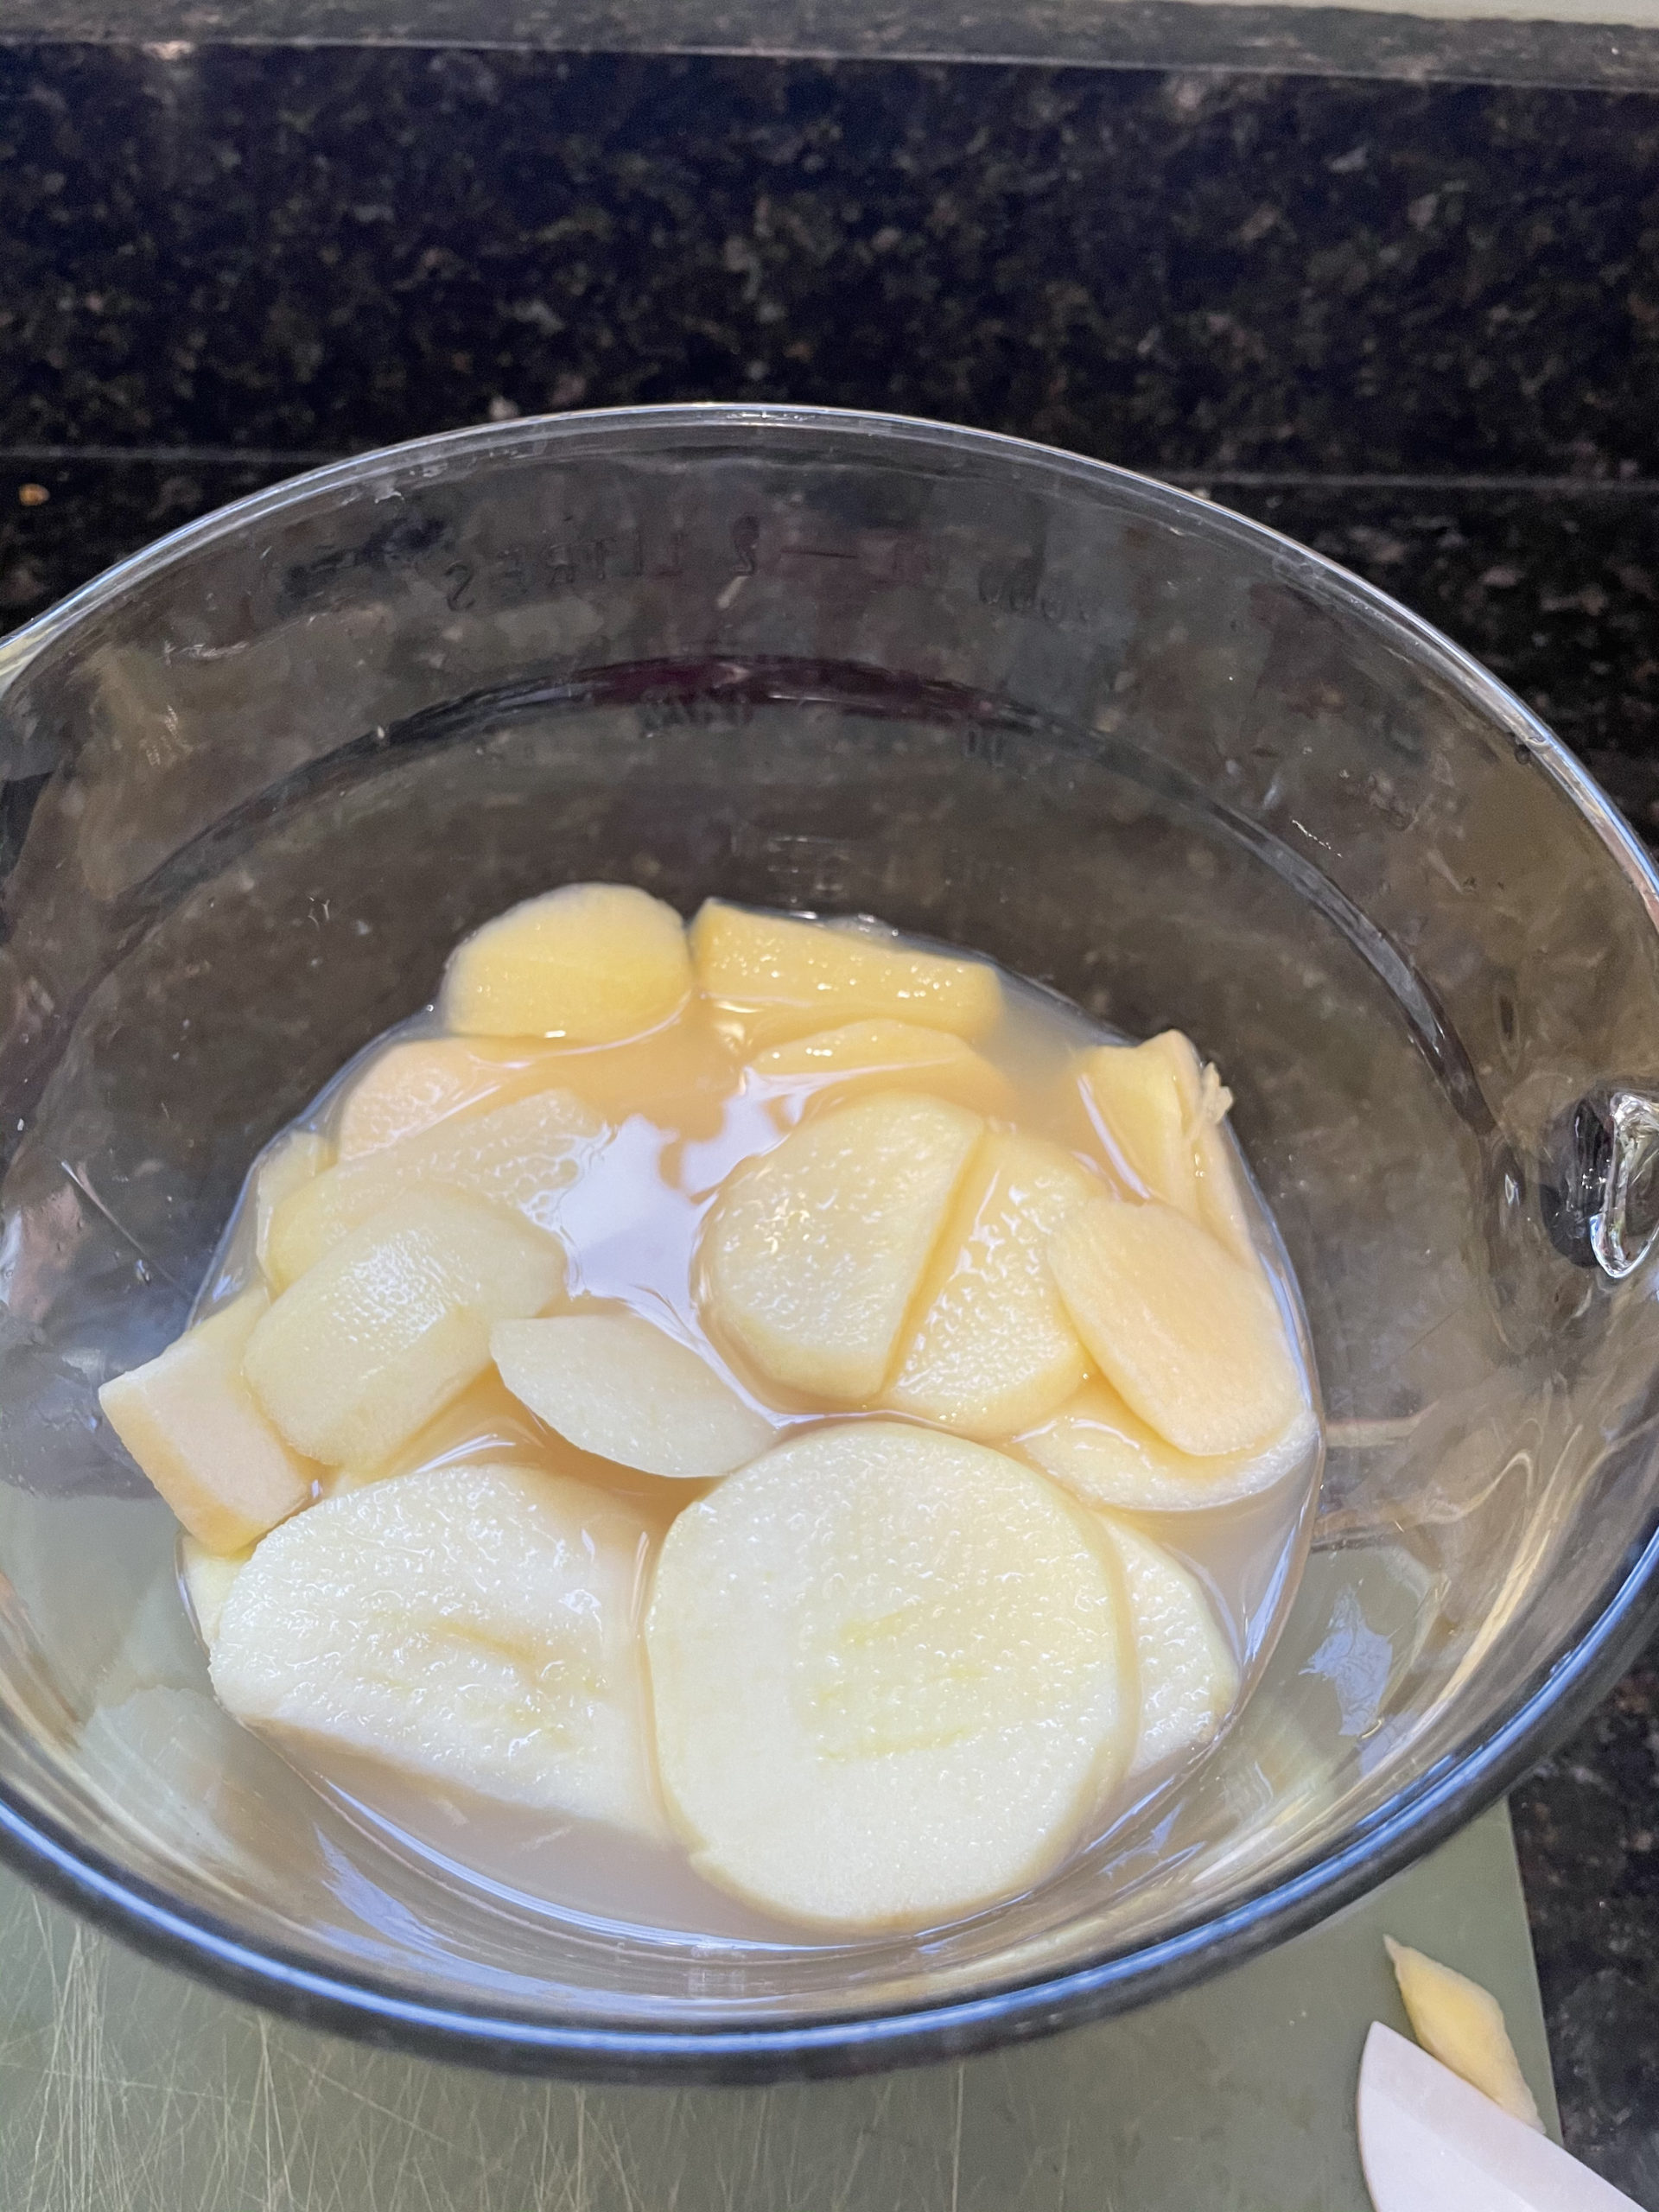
(260, 778)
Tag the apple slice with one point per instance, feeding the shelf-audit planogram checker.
(613, 1385)
(890, 1674)
(813, 1253)
(1191, 1339)
(473, 1625)
(207, 1580)
(865, 1055)
(994, 1350)
(1106, 1455)
(590, 963)
(1144, 1098)
(789, 977)
(1163, 1118)
(525, 1155)
(283, 1168)
(412, 1086)
(190, 1422)
(1189, 1678)
(1462, 2024)
(393, 1322)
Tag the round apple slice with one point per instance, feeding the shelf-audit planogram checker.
(1189, 1678)
(891, 1676)
(587, 964)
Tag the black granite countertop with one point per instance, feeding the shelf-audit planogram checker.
(1416, 326)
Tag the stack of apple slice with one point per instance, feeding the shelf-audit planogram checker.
(900, 1645)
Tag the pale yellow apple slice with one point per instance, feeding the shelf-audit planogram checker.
(1163, 1118)
(789, 977)
(412, 1086)
(190, 1422)
(1145, 1099)
(865, 1055)
(393, 1322)
(207, 1580)
(1221, 1208)
(1462, 2024)
(475, 1626)
(1191, 1339)
(1106, 1455)
(590, 963)
(994, 1350)
(812, 1254)
(1189, 1677)
(283, 1168)
(891, 1677)
(611, 1384)
(525, 1155)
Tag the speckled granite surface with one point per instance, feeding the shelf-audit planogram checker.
(338, 248)
(1282, 280)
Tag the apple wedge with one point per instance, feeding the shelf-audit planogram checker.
(1462, 2024)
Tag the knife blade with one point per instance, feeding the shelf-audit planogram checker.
(1430, 2143)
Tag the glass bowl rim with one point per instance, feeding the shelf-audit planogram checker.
(392, 2011)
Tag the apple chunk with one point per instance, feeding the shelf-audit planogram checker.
(190, 1420)
(813, 1253)
(1191, 1339)
(590, 963)
(525, 1154)
(394, 1322)
(613, 1385)
(792, 976)
(994, 1349)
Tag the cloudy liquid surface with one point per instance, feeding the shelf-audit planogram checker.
(632, 1227)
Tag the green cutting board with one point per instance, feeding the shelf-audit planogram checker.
(124, 2087)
